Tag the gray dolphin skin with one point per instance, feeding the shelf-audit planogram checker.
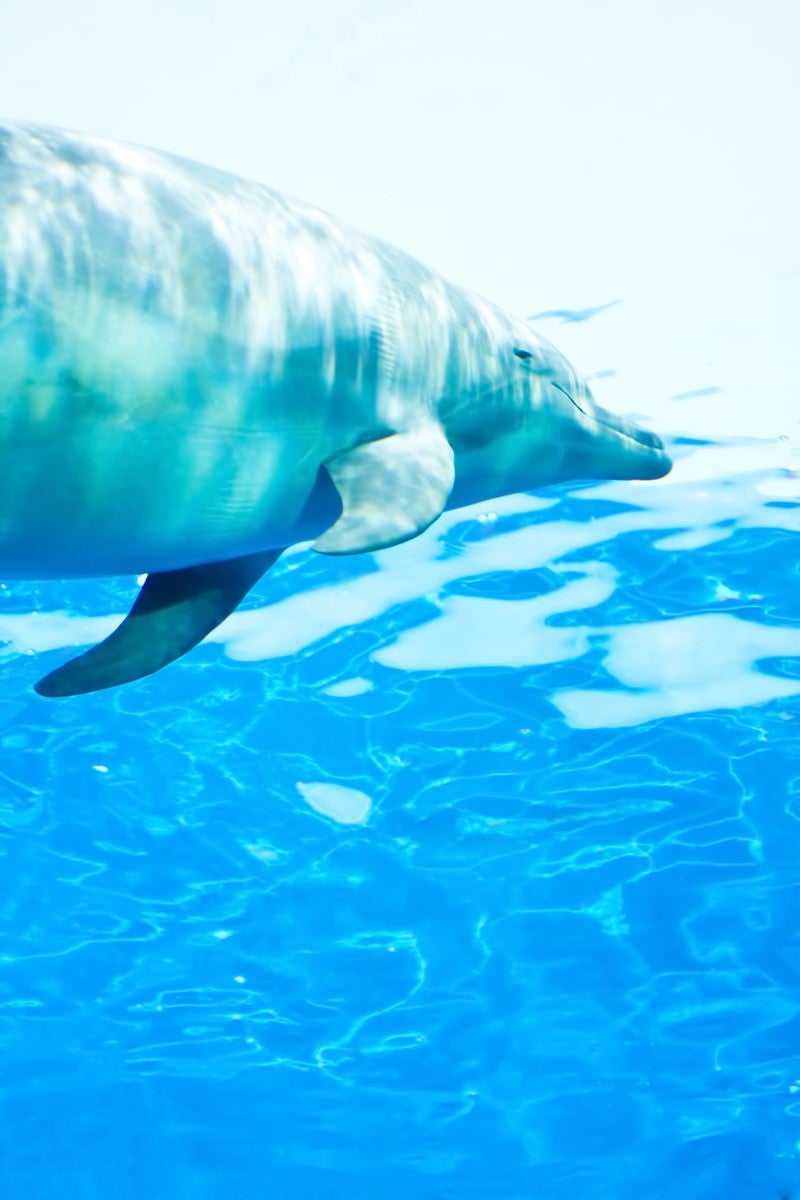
(196, 372)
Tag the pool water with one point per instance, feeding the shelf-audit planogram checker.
(464, 870)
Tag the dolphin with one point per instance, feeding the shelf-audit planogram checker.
(197, 371)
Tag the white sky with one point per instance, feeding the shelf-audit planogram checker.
(556, 155)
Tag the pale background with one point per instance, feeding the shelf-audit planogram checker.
(552, 156)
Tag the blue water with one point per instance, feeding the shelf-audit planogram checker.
(539, 939)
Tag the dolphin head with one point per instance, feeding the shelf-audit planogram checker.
(536, 423)
(601, 445)
(592, 443)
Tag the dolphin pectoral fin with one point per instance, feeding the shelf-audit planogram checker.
(172, 613)
(390, 489)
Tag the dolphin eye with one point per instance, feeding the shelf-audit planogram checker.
(520, 353)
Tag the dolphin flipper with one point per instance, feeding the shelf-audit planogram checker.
(391, 489)
(172, 613)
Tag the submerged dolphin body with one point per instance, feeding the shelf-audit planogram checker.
(196, 372)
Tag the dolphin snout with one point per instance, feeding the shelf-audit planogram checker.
(643, 437)
(637, 453)
(654, 460)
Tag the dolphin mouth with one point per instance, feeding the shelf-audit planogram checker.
(650, 459)
(634, 433)
(653, 461)
(642, 437)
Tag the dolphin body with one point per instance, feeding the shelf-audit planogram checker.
(196, 372)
